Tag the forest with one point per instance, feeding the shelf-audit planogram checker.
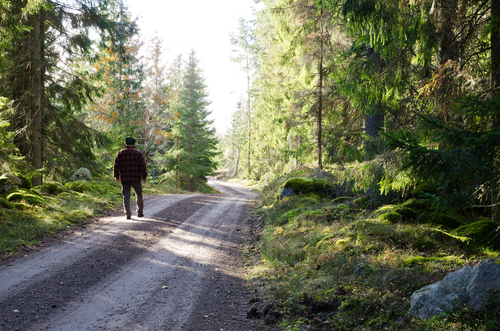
(392, 108)
(77, 78)
(393, 105)
(404, 90)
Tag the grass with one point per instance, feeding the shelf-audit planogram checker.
(334, 265)
(30, 215)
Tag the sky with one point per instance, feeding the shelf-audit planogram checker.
(204, 26)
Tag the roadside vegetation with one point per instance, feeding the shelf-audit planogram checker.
(28, 215)
(351, 262)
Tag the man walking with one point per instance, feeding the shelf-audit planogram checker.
(130, 168)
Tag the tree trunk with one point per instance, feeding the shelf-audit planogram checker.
(35, 127)
(249, 115)
(374, 123)
(268, 159)
(448, 16)
(495, 44)
(235, 172)
(177, 183)
(296, 155)
(495, 83)
(495, 217)
(320, 107)
(248, 154)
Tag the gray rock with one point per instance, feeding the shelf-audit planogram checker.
(471, 286)
(484, 284)
(82, 174)
(360, 268)
(286, 192)
(13, 179)
(5, 185)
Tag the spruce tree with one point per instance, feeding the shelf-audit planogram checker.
(48, 77)
(194, 149)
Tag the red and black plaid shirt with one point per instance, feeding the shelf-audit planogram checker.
(130, 165)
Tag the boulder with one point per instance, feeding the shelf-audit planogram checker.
(5, 185)
(286, 192)
(53, 188)
(304, 185)
(18, 180)
(484, 233)
(82, 174)
(13, 178)
(469, 286)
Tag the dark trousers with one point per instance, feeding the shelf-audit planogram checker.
(126, 190)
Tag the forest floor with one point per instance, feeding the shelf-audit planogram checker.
(180, 267)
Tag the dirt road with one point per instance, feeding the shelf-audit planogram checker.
(178, 268)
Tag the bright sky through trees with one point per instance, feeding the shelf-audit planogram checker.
(205, 27)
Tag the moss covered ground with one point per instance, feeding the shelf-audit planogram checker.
(332, 264)
(28, 215)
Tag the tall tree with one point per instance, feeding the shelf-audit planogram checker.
(194, 138)
(157, 97)
(246, 55)
(44, 82)
(236, 134)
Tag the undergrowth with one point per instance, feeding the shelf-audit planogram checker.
(335, 264)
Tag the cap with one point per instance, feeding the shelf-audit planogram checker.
(130, 141)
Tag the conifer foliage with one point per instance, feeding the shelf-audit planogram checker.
(46, 76)
(409, 88)
(194, 149)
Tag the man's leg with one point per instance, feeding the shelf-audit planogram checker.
(126, 199)
(139, 200)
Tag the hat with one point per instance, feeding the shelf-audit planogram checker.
(130, 141)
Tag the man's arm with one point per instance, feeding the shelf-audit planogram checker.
(116, 168)
(144, 172)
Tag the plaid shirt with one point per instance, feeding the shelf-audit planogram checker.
(130, 165)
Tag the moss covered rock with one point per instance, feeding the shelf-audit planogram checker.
(99, 187)
(5, 185)
(27, 196)
(53, 188)
(416, 204)
(288, 216)
(26, 182)
(420, 238)
(361, 201)
(447, 220)
(341, 200)
(397, 213)
(4, 203)
(484, 233)
(391, 217)
(304, 185)
(79, 186)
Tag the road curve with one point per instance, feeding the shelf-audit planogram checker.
(178, 268)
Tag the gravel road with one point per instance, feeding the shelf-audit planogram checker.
(178, 268)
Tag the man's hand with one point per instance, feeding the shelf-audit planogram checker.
(117, 179)
(144, 180)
